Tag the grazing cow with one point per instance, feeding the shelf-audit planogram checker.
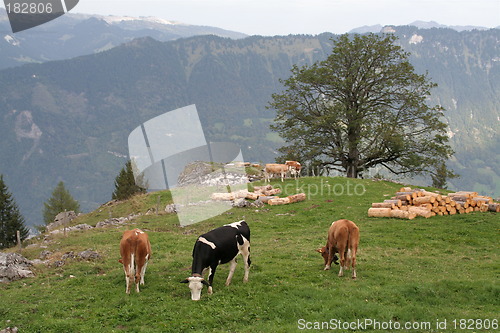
(294, 168)
(135, 250)
(219, 246)
(272, 169)
(343, 237)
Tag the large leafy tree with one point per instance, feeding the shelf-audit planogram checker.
(60, 201)
(125, 184)
(11, 219)
(364, 106)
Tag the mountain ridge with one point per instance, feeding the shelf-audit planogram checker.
(69, 119)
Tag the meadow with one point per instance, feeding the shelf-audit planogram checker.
(423, 275)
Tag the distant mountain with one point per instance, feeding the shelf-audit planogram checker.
(69, 120)
(418, 24)
(74, 35)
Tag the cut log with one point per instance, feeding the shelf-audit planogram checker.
(273, 191)
(265, 199)
(413, 195)
(278, 201)
(297, 197)
(479, 201)
(420, 211)
(252, 195)
(262, 188)
(397, 203)
(382, 205)
(494, 208)
(460, 198)
(432, 194)
(466, 194)
(489, 200)
(240, 194)
(403, 214)
(427, 206)
(424, 200)
(222, 196)
(463, 204)
(379, 212)
(403, 197)
(405, 189)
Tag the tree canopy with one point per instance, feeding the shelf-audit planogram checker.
(364, 106)
(11, 219)
(60, 201)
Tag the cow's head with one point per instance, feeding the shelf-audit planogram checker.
(324, 254)
(196, 284)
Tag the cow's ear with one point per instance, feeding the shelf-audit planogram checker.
(185, 281)
(205, 283)
(319, 250)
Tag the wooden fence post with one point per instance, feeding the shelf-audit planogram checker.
(18, 235)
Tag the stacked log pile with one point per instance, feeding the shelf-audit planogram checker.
(266, 194)
(409, 203)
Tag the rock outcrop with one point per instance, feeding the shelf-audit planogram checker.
(14, 266)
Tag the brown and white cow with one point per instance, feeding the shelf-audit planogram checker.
(135, 250)
(294, 167)
(273, 168)
(343, 238)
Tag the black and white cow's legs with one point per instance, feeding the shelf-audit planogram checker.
(246, 258)
(211, 274)
(232, 267)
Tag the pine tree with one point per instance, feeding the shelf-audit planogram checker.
(125, 184)
(60, 201)
(11, 219)
(441, 176)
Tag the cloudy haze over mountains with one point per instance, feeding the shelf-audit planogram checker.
(283, 17)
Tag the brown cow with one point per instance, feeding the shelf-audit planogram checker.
(273, 168)
(135, 250)
(343, 238)
(294, 167)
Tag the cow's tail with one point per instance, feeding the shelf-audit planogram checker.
(348, 253)
(352, 242)
(132, 241)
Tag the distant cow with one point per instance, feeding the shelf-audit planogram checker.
(135, 251)
(343, 237)
(219, 246)
(273, 169)
(294, 167)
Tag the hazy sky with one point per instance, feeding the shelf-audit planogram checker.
(283, 17)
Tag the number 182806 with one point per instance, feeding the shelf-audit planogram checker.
(29, 8)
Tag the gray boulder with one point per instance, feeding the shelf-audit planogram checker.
(14, 266)
(61, 219)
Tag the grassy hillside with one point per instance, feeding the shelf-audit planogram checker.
(419, 272)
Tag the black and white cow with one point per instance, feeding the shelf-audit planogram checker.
(219, 246)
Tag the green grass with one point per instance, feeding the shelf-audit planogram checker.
(423, 270)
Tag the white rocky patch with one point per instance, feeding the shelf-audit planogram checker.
(416, 39)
